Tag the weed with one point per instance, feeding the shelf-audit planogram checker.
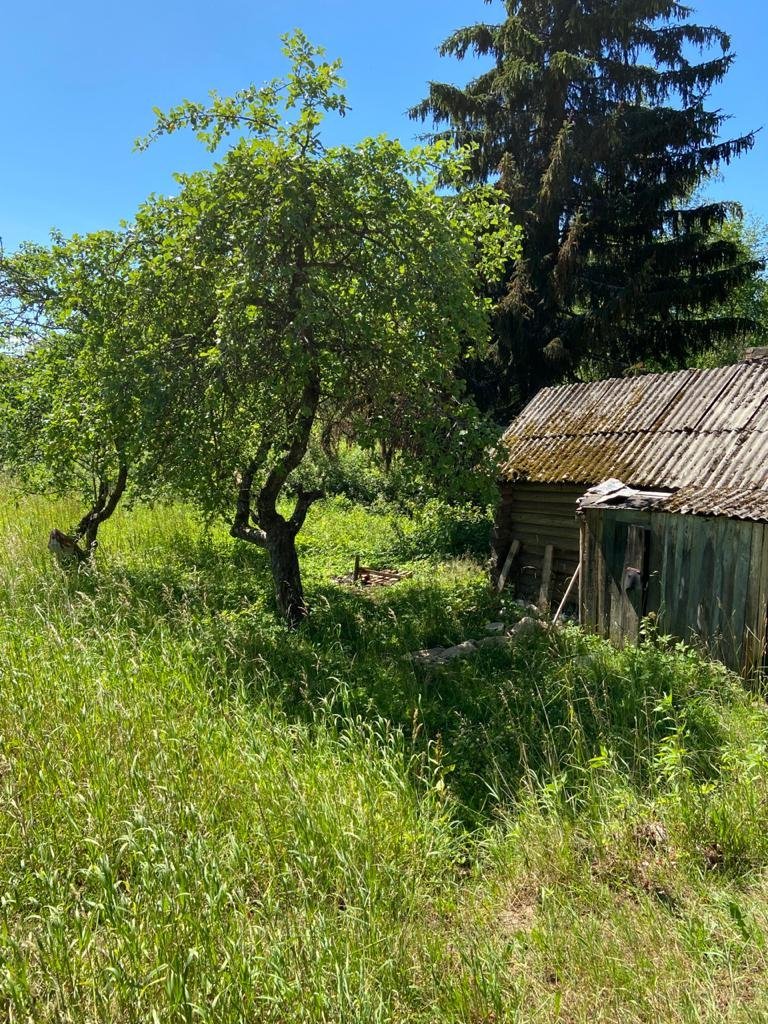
(207, 818)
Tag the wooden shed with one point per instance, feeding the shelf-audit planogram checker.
(678, 527)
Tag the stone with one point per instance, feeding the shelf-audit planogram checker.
(493, 641)
(442, 655)
(494, 627)
(526, 627)
(460, 650)
(428, 656)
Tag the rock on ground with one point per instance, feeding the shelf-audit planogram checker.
(442, 655)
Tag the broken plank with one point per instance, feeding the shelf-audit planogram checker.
(511, 556)
(546, 578)
(568, 592)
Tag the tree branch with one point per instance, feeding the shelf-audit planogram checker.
(267, 500)
(250, 534)
(105, 504)
(303, 502)
(241, 525)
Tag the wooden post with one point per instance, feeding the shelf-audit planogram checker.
(511, 556)
(582, 559)
(546, 578)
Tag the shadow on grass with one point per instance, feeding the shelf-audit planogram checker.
(546, 707)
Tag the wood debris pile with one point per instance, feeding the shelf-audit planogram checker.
(365, 577)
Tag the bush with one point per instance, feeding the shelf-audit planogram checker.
(360, 475)
(443, 530)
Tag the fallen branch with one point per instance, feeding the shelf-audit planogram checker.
(435, 656)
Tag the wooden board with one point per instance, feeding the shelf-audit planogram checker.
(703, 609)
(634, 583)
(655, 553)
(614, 546)
(737, 619)
(761, 654)
(585, 564)
(545, 590)
(512, 554)
(753, 628)
(600, 579)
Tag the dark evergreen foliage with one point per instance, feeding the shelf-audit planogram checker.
(593, 119)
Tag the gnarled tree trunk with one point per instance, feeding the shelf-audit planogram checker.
(277, 535)
(106, 502)
(265, 526)
(67, 549)
(286, 573)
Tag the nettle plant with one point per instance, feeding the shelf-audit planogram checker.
(318, 286)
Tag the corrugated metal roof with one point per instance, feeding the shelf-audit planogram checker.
(707, 428)
(722, 501)
(692, 500)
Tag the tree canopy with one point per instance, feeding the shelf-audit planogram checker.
(75, 400)
(289, 290)
(320, 285)
(747, 303)
(593, 120)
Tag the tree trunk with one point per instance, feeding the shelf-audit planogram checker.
(289, 593)
(265, 526)
(67, 548)
(91, 538)
(107, 500)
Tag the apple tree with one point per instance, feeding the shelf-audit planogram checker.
(319, 284)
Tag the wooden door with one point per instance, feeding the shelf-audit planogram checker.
(629, 583)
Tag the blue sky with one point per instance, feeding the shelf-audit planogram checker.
(79, 81)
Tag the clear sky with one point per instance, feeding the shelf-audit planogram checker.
(78, 82)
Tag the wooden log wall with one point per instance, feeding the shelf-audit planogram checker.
(539, 516)
(707, 580)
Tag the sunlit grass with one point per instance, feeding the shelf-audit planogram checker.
(207, 818)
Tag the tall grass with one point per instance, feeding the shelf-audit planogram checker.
(206, 818)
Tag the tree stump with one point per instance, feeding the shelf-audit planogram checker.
(66, 549)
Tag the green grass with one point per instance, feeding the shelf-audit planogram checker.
(206, 818)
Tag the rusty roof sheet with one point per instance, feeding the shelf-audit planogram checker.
(667, 431)
(733, 503)
(723, 501)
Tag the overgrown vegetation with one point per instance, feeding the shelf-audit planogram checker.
(206, 817)
(212, 813)
(291, 293)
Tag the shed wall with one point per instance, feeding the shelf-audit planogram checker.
(706, 578)
(537, 515)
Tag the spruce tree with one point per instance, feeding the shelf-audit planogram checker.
(593, 118)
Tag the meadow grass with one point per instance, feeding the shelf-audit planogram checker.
(204, 817)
